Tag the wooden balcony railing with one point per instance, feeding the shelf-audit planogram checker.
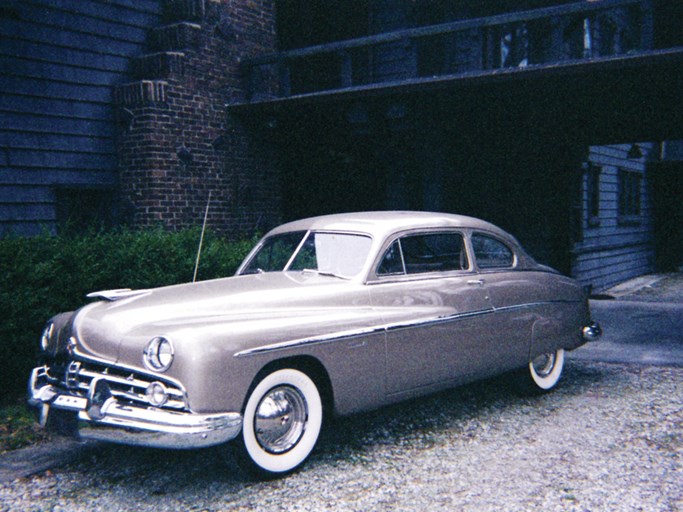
(582, 30)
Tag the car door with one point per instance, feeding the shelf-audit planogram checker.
(434, 306)
(512, 295)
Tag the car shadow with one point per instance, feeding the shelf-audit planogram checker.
(461, 411)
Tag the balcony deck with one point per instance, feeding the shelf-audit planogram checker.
(578, 31)
(591, 61)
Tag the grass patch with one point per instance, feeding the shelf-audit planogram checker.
(18, 428)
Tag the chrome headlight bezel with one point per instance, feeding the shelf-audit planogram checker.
(158, 354)
(46, 336)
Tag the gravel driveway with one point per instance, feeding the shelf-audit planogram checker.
(610, 437)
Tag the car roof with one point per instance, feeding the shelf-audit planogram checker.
(381, 224)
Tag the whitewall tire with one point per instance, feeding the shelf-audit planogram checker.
(545, 370)
(282, 422)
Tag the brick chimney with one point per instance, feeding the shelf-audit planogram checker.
(176, 141)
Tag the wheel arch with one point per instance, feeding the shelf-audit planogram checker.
(307, 364)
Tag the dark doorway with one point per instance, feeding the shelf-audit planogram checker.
(667, 192)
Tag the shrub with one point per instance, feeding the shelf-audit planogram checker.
(46, 275)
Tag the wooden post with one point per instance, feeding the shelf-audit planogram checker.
(284, 76)
(646, 25)
(345, 68)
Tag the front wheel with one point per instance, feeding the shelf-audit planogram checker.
(545, 370)
(281, 424)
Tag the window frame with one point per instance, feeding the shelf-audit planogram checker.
(593, 175)
(475, 260)
(377, 277)
(629, 196)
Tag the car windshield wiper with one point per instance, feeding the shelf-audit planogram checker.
(326, 274)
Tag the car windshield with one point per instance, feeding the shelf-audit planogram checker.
(336, 254)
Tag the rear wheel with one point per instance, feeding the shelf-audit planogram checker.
(281, 425)
(545, 370)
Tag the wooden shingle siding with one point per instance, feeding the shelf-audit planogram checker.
(612, 248)
(59, 63)
(40, 176)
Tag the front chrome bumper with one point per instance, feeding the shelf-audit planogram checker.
(109, 419)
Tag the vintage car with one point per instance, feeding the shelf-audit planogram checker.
(334, 314)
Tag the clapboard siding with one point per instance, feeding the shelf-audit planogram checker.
(53, 106)
(40, 176)
(40, 158)
(26, 194)
(29, 68)
(136, 13)
(65, 38)
(612, 248)
(48, 14)
(42, 141)
(34, 123)
(46, 88)
(59, 63)
(38, 52)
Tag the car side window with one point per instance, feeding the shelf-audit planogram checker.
(491, 252)
(429, 252)
(392, 262)
(275, 253)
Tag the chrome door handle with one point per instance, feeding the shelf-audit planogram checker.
(476, 282)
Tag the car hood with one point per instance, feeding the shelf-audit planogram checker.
(271, 301)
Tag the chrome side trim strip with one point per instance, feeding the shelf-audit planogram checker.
(353, 333)
(325, 338)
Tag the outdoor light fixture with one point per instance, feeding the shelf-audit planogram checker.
(218, 142)
(126, 118)
(635, 152)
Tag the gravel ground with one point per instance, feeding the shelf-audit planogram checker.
(610, 437)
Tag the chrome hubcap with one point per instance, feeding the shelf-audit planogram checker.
(280, 419)
(544, 364)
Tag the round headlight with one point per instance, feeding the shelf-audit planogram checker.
(46, 337)
(158, 355)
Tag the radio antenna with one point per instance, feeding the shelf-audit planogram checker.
(201, 239)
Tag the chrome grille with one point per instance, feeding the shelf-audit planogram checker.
(125, 385)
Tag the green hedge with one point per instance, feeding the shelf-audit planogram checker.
(46, 275)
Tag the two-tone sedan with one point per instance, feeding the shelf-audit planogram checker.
(335, 314)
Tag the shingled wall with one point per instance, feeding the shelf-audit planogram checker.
(59, 63)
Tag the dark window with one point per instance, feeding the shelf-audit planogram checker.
(80, 209)
(629, 193)
(491, 253)
(593, 194)
(417, 254)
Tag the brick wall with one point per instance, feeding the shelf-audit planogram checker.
(176, 142)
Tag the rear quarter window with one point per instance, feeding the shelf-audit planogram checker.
(491, 253)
